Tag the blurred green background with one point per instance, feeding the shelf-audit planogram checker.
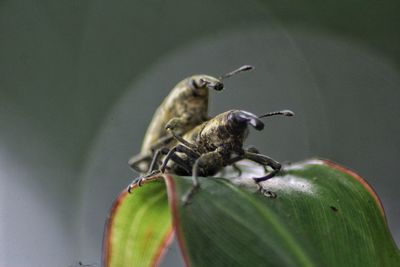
(80, 80)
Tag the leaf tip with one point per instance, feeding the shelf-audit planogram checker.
(359, 179)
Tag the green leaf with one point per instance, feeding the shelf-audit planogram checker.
(139, 227)
(323, 215)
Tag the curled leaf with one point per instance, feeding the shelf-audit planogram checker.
(138, 228)
(323, 215)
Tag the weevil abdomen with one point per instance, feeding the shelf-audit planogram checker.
(191, 106)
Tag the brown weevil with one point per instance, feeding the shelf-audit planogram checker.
(216, 143)
(187, 106)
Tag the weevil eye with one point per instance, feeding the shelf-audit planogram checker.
(201, 83)
(197, 84)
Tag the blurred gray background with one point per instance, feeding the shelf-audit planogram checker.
(80, 80)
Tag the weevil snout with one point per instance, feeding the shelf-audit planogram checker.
(210, 83)
(218, 86)
(242, 118)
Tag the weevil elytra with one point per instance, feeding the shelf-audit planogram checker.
(187, 105)
(217, 143)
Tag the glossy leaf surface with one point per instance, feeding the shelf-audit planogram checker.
(323, 215)
(139, 227)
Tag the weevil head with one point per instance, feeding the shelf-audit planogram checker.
(202, 83)
(238, 120)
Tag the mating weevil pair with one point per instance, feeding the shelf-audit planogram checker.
(186, 106)
(208, 146)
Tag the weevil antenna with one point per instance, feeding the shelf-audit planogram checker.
(241, 69)
(285, 112)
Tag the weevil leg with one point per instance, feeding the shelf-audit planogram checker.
(156, 158)
(135, 162)
(171, 127)
(268, 176)
(183, 141)
(162, 141)
(212, 161)
(185, 164)
(138, 181)
(266, 161)
(252, 149)
(234, 160)
(152, 169)
(253, 154)
(172, 156)
(189, 194)
(237, 169)
(188, 151)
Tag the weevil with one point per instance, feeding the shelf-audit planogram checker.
(216, 143)
(187, 106)
(79, 263)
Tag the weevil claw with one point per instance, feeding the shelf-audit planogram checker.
(130, 188)
(137, 182)
(267, 193)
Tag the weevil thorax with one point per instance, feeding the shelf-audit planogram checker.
(230, 129)
(221, 130)
(187, 100)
